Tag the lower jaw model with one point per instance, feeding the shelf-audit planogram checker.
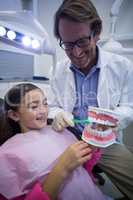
(101, 130)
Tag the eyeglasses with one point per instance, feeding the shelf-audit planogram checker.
(82, 43)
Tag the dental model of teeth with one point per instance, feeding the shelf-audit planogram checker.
(100, 131)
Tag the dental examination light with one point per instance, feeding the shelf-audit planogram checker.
(112, 44)
(21, 29)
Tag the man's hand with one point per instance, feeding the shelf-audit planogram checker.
(62, 120)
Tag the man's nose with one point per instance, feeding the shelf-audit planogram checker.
(77, 51)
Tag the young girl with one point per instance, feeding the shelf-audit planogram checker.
(35, 161)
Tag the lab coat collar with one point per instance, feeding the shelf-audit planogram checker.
(103, 58)
(103, 95)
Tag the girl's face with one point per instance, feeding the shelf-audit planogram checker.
(33, 111)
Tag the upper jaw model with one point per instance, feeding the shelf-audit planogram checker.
(101, 130)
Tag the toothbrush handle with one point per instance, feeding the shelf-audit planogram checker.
(81, 121)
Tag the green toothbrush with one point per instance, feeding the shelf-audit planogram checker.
(81, 121)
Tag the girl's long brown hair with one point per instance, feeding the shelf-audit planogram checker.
(11, 101)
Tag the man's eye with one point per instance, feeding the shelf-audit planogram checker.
(82, 41)
(69, 45)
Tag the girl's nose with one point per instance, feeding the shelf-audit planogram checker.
(43, 108)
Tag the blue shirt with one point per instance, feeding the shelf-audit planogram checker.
(86, 93)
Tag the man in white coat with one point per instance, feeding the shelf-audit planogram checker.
(92, 77)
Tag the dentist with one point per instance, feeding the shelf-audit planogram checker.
(90, 76)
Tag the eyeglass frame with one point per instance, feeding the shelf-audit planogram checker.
(73, 44)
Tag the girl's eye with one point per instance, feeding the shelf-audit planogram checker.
(33, 107)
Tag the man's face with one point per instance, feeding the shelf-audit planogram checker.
(83, 42)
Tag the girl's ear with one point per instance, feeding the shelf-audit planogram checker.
(13, 115)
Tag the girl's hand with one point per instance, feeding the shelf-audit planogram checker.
(75, 155)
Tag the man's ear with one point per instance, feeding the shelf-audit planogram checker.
(97, 38)
(13, 115)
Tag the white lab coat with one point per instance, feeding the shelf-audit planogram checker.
(115, 87)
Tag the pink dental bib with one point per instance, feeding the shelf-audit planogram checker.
(27, 158)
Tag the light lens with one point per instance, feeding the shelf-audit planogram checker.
(35, 44)
(2, 31)
(26, 41)
(11, 35)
